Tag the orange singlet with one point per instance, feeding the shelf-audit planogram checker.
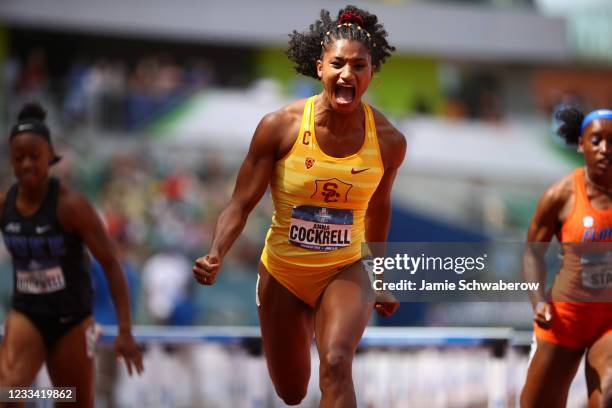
(582, 291)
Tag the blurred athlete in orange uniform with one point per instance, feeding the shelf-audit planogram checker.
(330, 161)
(577, 314)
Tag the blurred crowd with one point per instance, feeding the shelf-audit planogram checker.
(108, 93)
(123, 95)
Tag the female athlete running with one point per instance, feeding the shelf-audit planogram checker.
(330, 161)
(46, 227)
(576, 316)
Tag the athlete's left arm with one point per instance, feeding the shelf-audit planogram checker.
(378, 215)
(78, 216)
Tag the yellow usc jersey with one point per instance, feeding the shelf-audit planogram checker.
(320, 203)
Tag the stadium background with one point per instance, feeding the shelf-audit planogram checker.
(153, 103)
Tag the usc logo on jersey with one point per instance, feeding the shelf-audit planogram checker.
(331, 190)
(309, 162)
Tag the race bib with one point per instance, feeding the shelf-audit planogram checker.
(320, 228)
(40, 281)
(597, 270)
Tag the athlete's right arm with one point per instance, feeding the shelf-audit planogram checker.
(252, 182)
(544, 224)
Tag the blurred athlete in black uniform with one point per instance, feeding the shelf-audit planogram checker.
(46, 227)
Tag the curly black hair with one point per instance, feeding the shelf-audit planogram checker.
(305, 48)
(568, 120)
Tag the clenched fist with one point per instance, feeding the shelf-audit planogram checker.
(206, 268)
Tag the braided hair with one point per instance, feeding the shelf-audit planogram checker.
(352, 23)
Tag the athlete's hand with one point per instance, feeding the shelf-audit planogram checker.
(127, 350)
(385, 303)
(543, 315)
(206, 268)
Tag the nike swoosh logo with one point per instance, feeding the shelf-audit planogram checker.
(353, 171)
(42, 230)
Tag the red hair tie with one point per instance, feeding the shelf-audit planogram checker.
(349, 17)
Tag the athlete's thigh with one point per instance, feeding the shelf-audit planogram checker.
(22, 352)
(550, 374)
(344, 310)
(287, 330)
(598, 368)
(71, 362)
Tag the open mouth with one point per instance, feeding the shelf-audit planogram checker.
(345, 94)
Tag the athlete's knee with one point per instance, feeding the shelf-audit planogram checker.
(12, 380)
(5, 372)
(292, 396)
(293, 399)
(10, 376)
(336, 367)
(292, 389)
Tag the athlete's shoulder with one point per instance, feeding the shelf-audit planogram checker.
(562, 190)
(557, 195)
(391, 140)
(284, 117)
(552, 210)
(295, 108)
(384, 127)
(72, 206)
(277, 130)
